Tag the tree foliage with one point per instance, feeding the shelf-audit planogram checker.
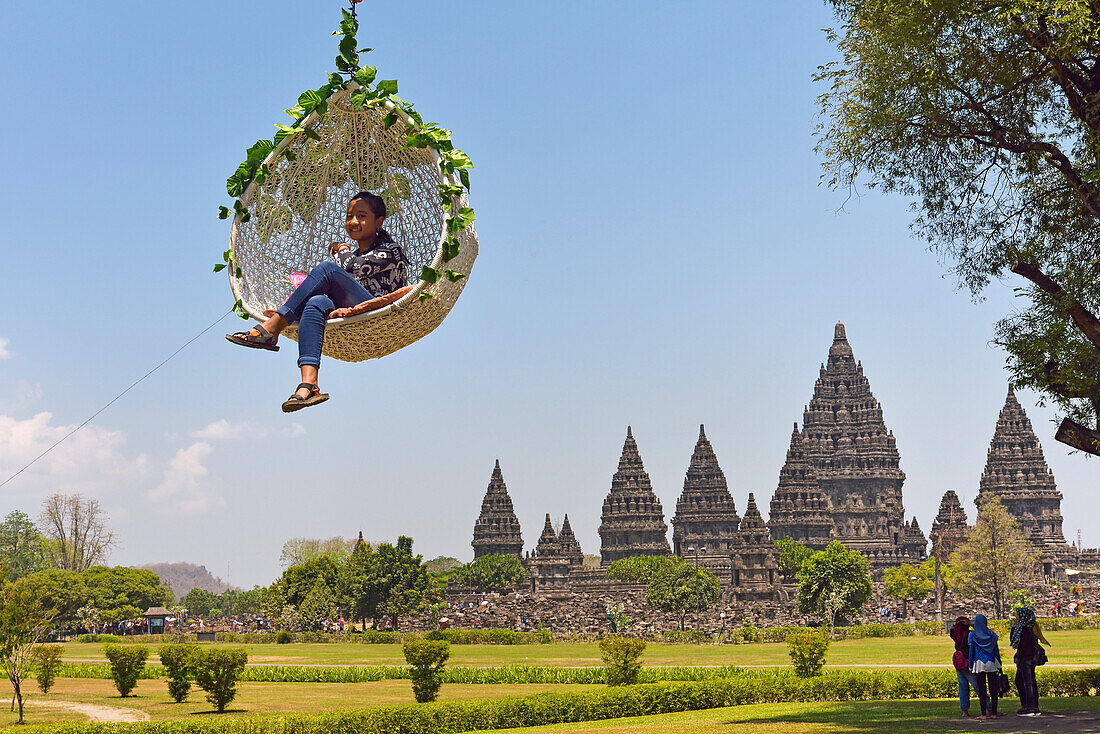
(996, 558)
(834, 583)
(124, 593)
(791, 556)
(987, 114)
(426, 659)
(297, 551)
(25, 618)
(199, 602)
(639, 569)
(910, 582)
(22, 547)
(127, 662)
(491, 573)
(683, 588)
(216, 671)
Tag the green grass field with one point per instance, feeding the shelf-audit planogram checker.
(1079, 648)
(1071, 648)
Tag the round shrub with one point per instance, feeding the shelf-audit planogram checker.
(127, 662)
(426, 658)
(216, 672)
(621, 659)
(179, 661)
(284, 638)
(807, 651)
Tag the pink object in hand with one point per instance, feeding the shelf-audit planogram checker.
(297, 278)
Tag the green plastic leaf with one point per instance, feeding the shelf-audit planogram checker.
(452, 275)
(227, 255)
(388, 86)
(464, 177)
(235, 185)
(223, 212)
(424, 296)
(358, 99)
(365, 75)
(451, 249)
(259, 151)
(430, 275)
(309, 100)
(239, 274)
(312, 134)
(220, 267)
(335, 80)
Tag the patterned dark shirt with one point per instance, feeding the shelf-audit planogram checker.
(381, 270)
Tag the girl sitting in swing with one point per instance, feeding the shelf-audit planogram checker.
(376, 268)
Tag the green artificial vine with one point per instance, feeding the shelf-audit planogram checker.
(369, 94)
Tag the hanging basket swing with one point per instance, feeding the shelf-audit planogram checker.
(350, 136)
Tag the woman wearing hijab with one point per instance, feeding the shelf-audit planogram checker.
(960, 634)
(985, 664)
(1025, 638)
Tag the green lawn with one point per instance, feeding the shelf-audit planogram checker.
(1075, 647)
(856, 717)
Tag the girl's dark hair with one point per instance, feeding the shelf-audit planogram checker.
(378, 206)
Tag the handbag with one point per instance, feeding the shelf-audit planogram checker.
(1002, 680)
(959, 661)
(1040, 657)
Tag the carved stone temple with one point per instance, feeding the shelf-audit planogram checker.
(755, 569)
(548, 565)
(706, 520)
(856, 463)
(949, 529)
(633, 521)
(799, 511)
(496, 531)
(1016, 472)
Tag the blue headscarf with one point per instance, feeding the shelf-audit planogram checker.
(983, 637)
(1025, 620)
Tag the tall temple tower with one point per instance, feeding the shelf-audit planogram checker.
(496, 531)
(633, 521)
(856, 462)
(706, 518)
(1017, 473)
(799, 510)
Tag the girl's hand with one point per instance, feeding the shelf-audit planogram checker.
(336, 247)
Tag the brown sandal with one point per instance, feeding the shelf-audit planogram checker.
(297, 402)
(257, 337)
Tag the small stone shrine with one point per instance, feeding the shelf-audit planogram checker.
(755, 569)
(548, 565)
(633, 521)
(949, 529)
(496, 531)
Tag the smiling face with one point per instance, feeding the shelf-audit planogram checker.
(362, 223)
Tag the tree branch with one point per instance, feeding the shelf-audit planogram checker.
(1079, 437)
(1085, 320)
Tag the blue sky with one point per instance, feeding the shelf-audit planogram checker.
(655, 251)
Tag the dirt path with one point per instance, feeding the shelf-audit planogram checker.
(1076, 722)
(94, 712)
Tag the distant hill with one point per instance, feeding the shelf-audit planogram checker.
(183, 577)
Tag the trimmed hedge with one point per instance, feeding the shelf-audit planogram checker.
(498, 636)
(608, 703)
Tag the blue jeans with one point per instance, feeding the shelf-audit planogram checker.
(327, 287)
(967, 680)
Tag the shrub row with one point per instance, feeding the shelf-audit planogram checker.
(622, 701)
(491, 637)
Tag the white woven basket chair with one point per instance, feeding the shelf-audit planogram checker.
(300, 209)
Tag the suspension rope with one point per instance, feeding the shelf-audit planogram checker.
(116, 397)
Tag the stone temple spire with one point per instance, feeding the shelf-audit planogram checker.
(496, 531)
(855, 459)
(799, 510)
(755, 569)
(567, 543)
(633, 521)
(949, 529)
(706, 518)
(548, 541)
(1017, 473)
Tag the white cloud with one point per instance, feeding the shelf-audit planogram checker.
(224, 430)
(186, 488)
(91, 461)
(4, 353)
